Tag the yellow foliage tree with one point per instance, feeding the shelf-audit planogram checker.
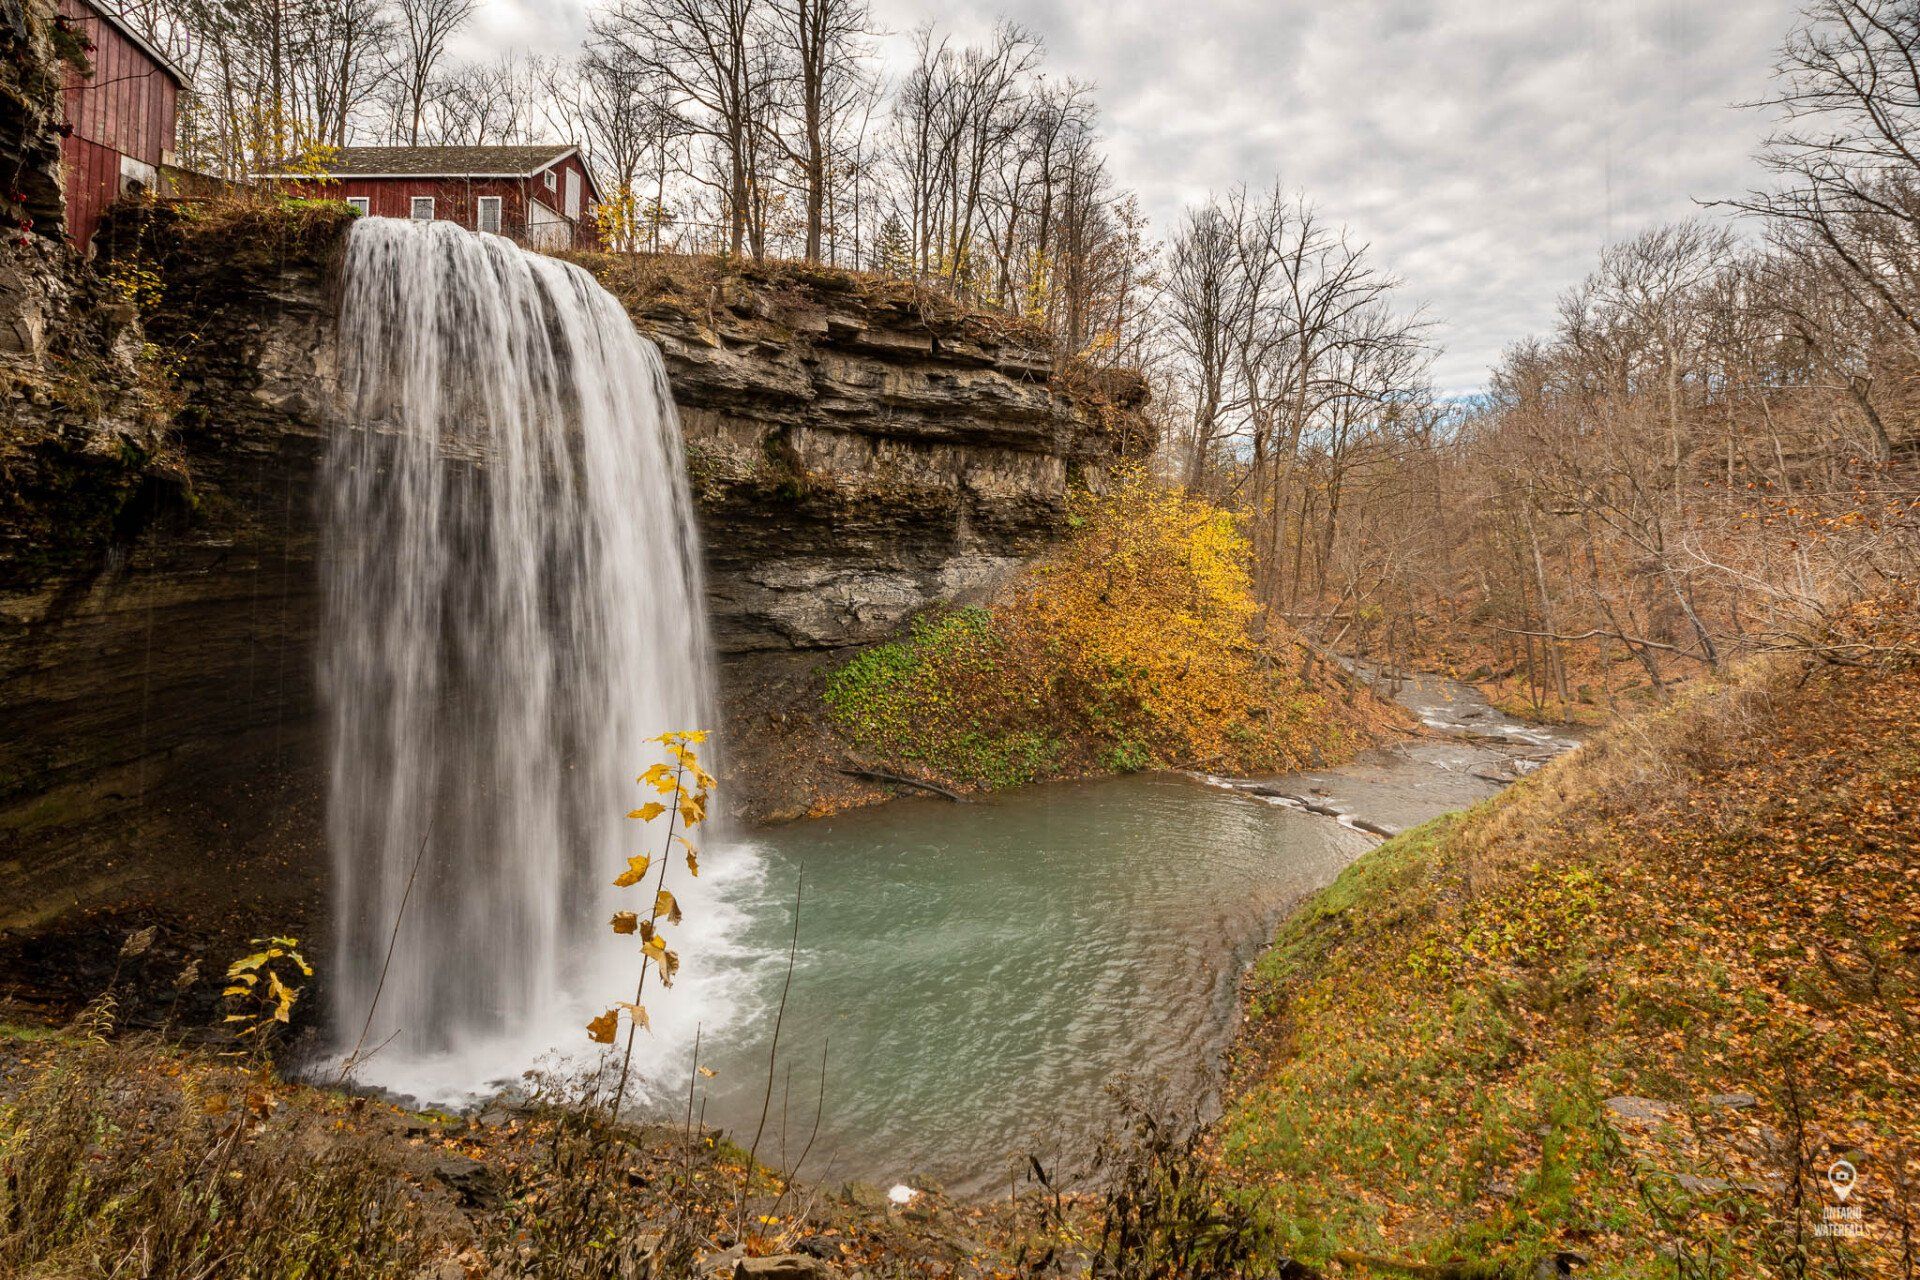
(686, 786)
(1145, 616)
(1130, 647)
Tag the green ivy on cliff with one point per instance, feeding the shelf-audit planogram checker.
(923, 700)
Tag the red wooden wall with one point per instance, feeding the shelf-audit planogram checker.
(127, 107)
(557, 198)
(455, 198)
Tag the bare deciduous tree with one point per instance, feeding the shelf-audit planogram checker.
(711, 57)
(423, 29)
(824, 45)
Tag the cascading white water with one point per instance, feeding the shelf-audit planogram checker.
(513, 609)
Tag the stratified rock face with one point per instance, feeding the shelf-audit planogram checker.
(857, 459)
(158, 600)
(859, 453)
(29, 120)
(854, 460)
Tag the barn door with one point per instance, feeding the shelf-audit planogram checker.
(573, 193)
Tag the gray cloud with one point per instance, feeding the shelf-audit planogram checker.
(1485, 148)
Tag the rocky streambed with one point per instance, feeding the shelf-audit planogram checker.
(1465, 750)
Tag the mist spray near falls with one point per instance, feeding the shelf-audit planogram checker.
(513, 609)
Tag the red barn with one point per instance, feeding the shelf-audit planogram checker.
(542, 195)
(120, 119)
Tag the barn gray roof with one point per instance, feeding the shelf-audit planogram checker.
(438, 162)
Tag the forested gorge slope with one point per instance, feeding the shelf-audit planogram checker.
(1632, 1009)
(1713, 453)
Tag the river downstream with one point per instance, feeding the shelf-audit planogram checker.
(978, 976)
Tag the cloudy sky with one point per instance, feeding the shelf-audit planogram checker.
(1486, 149)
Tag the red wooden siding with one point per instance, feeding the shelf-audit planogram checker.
(126, 108)
(456, 199)
(556, 199)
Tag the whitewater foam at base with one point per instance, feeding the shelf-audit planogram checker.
(513, 608)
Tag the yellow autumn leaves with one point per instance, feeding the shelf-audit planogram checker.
(1135, 644)
(601, 1030)
(264, 986)
(1144, 616)
(684, 788)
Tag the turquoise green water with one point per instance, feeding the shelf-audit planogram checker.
(978, 975)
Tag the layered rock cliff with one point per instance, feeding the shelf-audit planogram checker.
(860, 450)
(32, 47)
(158, 602)
(858, 454)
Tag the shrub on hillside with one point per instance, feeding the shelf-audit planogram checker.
(1131, 647)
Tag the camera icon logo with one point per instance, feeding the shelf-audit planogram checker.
(1841, 1176)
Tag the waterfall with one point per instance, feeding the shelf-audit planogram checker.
(513, 608)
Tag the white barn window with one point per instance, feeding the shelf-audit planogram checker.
(486, 214)
(360, 205)
(423, 208)
(552, 182)
(137, 175)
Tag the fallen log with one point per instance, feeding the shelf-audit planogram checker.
(1323, 810)
(878, 775)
